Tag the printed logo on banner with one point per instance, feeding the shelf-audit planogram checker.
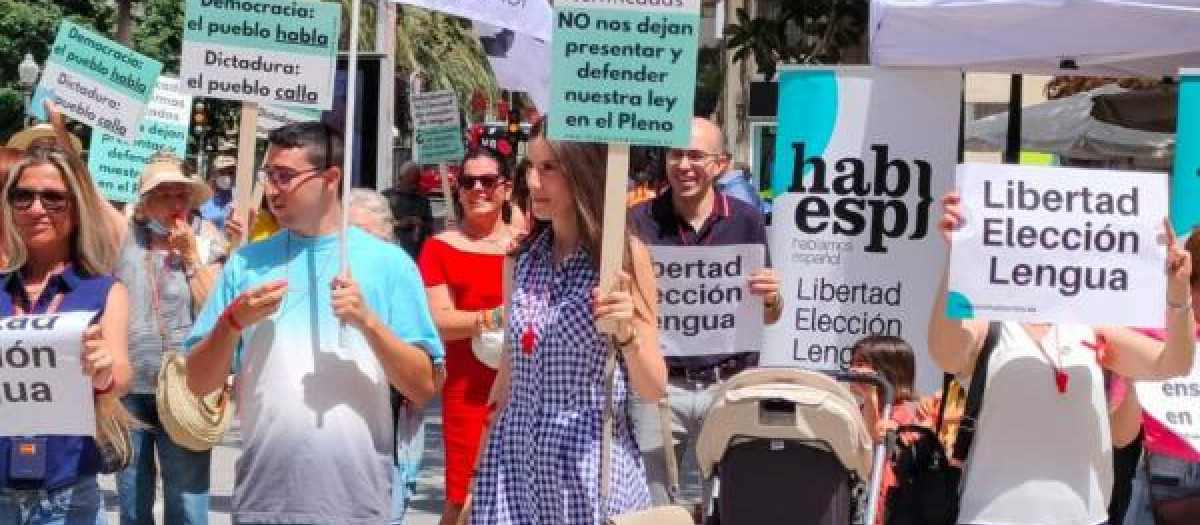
(1060, 245)
(1185, 182)
(117, 166)
(624, 73)
(861, 156)
(437, 128)
(704, 305)
(96, 81)
(44, 391)
(264, 51)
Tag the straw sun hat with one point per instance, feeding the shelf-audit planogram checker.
(162, 170)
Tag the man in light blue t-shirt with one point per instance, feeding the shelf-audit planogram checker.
(316, 416)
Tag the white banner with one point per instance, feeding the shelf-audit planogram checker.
(704, 304)
(530, 17)
(519, 62)
(1174, 406)
(44, 389)
(862, 154)
(1059, 245)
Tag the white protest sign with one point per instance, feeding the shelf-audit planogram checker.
(862, 154)
(117, 166)
(704, 304)
(271, 118)
(530, 17)
(262, 51)
(1174, 406)
(1059, 245)
(437, 127)
(97, 81)
(45, 390)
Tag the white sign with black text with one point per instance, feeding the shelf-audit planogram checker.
(1059, 245)
(704, 303)
(44, 389)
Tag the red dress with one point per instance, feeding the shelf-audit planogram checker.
(473, 281)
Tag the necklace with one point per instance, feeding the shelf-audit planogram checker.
(540, 296)
(1055, 357)
(287, 270)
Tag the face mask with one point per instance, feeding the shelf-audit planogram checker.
(224, 182)
(156, 227)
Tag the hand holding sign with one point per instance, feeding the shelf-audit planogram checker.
(97, 359)
(348, 303)
(952, 215)
(764, 283)
(616, 307)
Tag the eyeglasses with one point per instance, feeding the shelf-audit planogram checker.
(282, 178)
(470, 182)
(694, 156)
(53, 201)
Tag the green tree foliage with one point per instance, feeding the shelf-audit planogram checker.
(804, 32)
(29, 27)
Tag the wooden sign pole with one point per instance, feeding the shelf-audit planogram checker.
(612, 239)
(244, 183)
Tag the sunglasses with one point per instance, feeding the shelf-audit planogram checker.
(53, 201)
(470, 182)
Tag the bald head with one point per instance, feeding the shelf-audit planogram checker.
(706, 136)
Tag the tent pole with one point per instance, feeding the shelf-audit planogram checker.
(1012, 146)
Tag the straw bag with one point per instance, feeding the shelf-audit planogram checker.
(661, 515)
(192, 422)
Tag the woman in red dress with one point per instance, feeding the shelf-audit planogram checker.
(463, 268)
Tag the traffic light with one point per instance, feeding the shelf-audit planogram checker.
(513, 134)
(199, 117)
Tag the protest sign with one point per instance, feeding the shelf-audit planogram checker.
(1171, 411)
(96, 81)
(1185, 182)
(261, 51)
(437, 128)
(861, 156)
(624, 73)
(45, 390)
(1058, 245)
(271, 118)
(117, 166)
(529, 17)
(704, 303)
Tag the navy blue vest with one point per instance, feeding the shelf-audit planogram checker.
(70, 458)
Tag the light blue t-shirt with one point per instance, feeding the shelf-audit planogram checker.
(316, 419)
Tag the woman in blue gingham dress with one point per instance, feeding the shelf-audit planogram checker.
(541, 463)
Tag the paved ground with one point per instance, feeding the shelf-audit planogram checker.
(425, 508)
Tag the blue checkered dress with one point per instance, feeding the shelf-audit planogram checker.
(542, 462)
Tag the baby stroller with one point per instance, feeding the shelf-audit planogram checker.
(786, 446)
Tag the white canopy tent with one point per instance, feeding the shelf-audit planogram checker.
(1066, 127)
(1097, 37)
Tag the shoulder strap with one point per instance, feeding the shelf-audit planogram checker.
(947, 382)
(974, 404)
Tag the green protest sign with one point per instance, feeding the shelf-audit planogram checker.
(624, 73)
(438, 136)
(96, 81)
(116, 166)
(264, 51)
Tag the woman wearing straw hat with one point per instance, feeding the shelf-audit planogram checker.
(163, 264)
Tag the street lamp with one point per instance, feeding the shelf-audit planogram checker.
(28, 71)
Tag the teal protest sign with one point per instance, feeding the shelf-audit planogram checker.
(116, 166)
(1185, 181)
(624, 74)
(96, 81)
(279, 52)
(438, 136)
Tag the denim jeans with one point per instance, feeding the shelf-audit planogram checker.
(689, 402)
(1171, 478)
(78, 504)
(410, 445)
(185, 474)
